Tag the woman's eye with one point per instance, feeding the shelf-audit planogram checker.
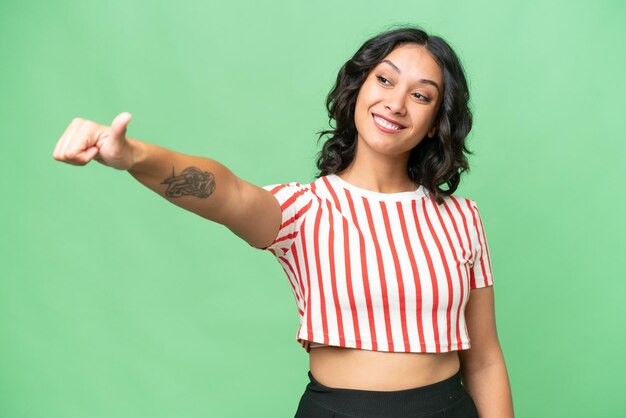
(382, 79)
(422, 97)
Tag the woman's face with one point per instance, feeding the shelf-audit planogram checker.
(397, 104)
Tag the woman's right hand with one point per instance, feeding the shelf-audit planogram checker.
(84, 140)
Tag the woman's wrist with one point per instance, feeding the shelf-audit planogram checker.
(137, 152)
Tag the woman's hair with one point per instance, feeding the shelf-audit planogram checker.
(434, 161)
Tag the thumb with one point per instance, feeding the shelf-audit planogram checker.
(87, 155)
(119, 124)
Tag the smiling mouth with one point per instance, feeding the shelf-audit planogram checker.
(386, 126)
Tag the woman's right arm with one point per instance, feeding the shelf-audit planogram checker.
(197, 184)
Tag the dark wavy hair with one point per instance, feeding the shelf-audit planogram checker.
(434, 161)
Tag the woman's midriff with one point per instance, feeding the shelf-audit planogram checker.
(340, 367)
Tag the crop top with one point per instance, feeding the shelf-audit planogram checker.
(379, 271)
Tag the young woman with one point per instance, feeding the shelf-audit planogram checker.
(391, 274)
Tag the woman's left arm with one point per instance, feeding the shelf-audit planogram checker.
(483, 369)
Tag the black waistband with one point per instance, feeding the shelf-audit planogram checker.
(415, 401)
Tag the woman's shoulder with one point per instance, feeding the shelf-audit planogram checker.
(456, 197)
(293, 185)
(458, 202)
(290, 192)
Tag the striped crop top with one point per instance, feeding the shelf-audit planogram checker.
(379, 271)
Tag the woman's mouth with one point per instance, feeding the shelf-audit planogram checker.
(386, 126)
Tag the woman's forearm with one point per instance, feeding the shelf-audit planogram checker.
(197, 184)
(200, 185)
(490, 389)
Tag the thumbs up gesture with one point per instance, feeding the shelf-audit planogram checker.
(84, 140)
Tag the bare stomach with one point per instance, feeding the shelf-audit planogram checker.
(350, 368)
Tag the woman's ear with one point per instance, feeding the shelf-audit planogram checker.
(431, 133)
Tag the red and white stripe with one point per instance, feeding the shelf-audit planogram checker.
(383, 272)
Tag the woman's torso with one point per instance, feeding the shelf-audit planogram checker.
(350, 368)
(382, 279)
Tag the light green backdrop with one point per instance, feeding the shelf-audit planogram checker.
(116, 303)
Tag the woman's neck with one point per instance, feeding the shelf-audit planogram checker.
(379, 173)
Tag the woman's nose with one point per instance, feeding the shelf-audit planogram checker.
(395, 103)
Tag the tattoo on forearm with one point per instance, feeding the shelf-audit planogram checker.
(190, 182)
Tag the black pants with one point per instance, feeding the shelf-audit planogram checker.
(444, 399)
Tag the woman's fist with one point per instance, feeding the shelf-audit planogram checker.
(84, 140)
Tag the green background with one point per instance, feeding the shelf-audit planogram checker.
(116, 303)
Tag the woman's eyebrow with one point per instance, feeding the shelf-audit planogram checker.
(422, 80)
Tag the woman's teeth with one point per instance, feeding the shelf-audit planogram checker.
(386, 124)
